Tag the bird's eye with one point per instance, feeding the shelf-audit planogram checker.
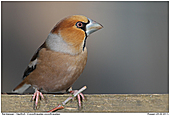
(79, 24)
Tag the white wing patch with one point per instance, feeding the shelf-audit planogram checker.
(30, 68)
(32, 63)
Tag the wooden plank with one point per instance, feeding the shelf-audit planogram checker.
(93, 103)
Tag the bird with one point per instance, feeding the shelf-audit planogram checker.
(61, 59)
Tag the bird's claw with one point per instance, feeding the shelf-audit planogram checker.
(79, 96)
(36, 97)
(75, 93)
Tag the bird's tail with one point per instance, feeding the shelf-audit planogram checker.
(21, 87)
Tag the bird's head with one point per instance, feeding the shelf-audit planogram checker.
(74, 31)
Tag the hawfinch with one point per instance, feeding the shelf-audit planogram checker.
(61, 59)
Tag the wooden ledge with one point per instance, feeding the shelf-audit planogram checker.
(93, 103)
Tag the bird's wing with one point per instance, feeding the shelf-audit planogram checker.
(32, 65)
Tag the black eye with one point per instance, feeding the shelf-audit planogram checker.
(79, 24)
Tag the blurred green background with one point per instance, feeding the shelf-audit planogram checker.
(129, 55)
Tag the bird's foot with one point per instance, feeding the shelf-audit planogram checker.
(36, 97)
(75, 93)
(79, 96)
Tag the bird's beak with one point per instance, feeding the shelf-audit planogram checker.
(92, 26)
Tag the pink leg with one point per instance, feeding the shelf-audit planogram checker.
(36, 97)
(75, 93)
(78, 96)
(79, 101)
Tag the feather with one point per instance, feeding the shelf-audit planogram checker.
(32, 65)
(21, 87)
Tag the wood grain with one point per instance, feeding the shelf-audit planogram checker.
(93, 103)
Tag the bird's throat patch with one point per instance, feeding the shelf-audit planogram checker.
(84, 45)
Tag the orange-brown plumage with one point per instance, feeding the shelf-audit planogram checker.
(66, 26)
(68, 22)
(61, 59)
(58, 74)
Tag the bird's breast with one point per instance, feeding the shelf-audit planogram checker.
(57, 71)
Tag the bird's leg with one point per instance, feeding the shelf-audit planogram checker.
(69, 98)
(36, 97)
(78, 96)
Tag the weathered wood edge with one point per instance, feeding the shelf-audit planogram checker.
(93, 103)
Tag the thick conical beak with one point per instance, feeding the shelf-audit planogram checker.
(92, 26)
